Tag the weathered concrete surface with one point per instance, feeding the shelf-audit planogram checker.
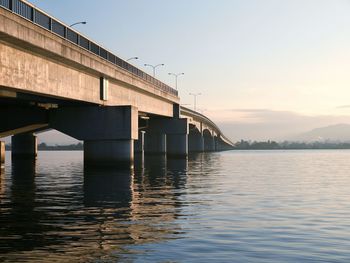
(37, 61)
(93, 123)
(24, 146)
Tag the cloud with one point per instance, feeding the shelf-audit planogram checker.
(264, 124)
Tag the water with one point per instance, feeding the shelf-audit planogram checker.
(240, 206)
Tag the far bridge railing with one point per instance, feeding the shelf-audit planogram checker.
(203, 118)
(40, 18)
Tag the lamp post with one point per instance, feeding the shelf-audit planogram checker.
(195, 99)
(176, 75)
(132, 58)
(154, 68)
(77, 23)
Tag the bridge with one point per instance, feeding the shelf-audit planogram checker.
(53, 77)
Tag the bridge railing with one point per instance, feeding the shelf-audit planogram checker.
(40, 18)
(205, 119)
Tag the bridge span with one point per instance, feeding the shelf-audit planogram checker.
(52, 77)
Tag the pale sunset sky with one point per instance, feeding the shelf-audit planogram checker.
(267, 69)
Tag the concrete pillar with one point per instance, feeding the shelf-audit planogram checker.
(195, 143)
(24, 146)
(139, 145)
(2, 154)
(108, 132)
(109, 153)
(212, 144)
(174, 130)
(177, 145)
(209, 143)
(155, 143)
(216, 144)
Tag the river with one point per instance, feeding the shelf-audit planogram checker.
(236, 206)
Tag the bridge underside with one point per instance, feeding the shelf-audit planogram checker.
(111, 134)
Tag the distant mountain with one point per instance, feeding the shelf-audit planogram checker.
(338, 132)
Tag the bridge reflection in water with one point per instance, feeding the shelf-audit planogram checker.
(56, 210)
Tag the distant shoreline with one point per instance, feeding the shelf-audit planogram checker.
(241, 145)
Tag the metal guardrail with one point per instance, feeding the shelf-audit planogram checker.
(40, 18)
(207, 120)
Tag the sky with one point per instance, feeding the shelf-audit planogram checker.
(266, 69)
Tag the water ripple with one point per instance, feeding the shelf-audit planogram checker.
(263, 206)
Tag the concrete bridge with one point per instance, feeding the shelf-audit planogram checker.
(52, 77)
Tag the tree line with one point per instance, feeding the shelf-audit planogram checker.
(240, 145)
(289, 145)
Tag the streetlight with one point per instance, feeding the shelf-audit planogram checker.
(77, 23)
(154, 68)
(176, 75)
(132, 58)
(195, 99)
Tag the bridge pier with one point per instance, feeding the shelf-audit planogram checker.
(209, 143)
(139, 144)
(2, 154)
(108, 132)
(108, 152)
(168, 135)
(177, 145)
(195, 143)
(24, 146)
(155, 143)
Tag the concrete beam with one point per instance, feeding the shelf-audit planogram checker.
(35, 60)
(23, 119)
(168, 126)
(92, 123)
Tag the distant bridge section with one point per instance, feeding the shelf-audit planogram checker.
(204, 134)
(52, 77)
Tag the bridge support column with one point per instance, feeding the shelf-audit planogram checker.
(24, 146)
(2, 154)
(177, 145)
(216, 144)
(139, 144)
(108, 132)
(209, 143)
(174, 135)
(155, 143)
(212, 144)
(109, 152)
(195, 143)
